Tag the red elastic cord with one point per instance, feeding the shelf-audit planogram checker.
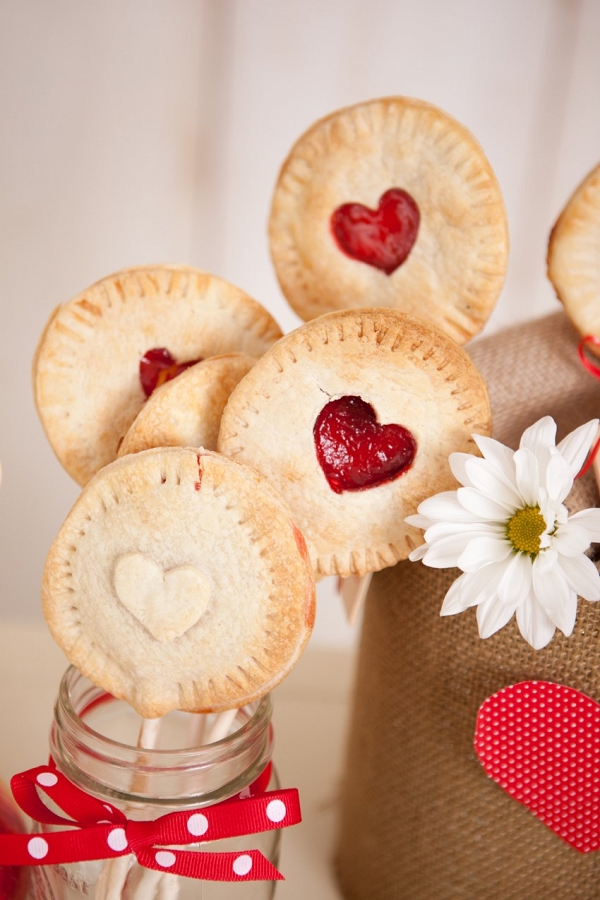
(589, 461)
(590, 364)
(593, 366)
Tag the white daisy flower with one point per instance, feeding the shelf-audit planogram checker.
(508, 530)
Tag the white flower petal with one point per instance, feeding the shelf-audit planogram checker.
(590, 519)
(528, 476)
(552, 591)
(576, 446)
(418, 553)
(571, 539)
(582, 576)
(559, 479)
(472, 588)
(453, 600)
(418, 521)
(515, 583)
(444, 554)
(442, 530)
(534, 623)
(481, 551)
(458, 462)
(444, 507)
(498, 455)
(482, 506)
(483, 477)
(539, 436)
(492, 616)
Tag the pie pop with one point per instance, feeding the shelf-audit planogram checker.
(390, 203)
(186, 411)
(104, 352)
(573, 256)
(179, 581)
(366, 406)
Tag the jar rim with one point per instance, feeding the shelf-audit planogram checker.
(108, 767)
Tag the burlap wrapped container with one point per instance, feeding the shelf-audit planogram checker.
(420, 819)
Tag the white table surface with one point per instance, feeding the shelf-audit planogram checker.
(311, 710)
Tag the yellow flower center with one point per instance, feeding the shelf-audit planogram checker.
(525, 529)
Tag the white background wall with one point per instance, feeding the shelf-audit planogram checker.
(136, 131)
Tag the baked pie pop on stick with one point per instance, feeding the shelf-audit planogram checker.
(178, 581)
(352, 418)
(390, 203)
(104, 353)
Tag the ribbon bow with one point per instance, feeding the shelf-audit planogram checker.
(101, 831)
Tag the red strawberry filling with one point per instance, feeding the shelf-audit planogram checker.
(355, 451)
(381, 237)
(158, 366)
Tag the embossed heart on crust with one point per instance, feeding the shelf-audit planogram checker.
(541, 743)
(166, 603)
(381, 237)
(355, 451)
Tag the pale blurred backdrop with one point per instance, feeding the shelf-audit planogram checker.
(136, 131)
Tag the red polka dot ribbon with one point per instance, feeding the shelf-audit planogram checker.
(541, 743)
(104, 832)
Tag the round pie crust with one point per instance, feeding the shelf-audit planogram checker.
(574, 256)
(186, 412)
(455, 270)
(86, 369)
(412, 375)
(179, 581)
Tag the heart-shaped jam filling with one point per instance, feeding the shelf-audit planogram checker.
(158, 366)
(356, 452)
(381, 237)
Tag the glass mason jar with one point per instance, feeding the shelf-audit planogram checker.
(93, 742)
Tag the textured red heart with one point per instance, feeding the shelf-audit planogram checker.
(381, 237)
(541, 743)
(356, 452)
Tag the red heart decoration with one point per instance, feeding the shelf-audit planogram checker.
(381, 237)
(541, 743)
(356, 452)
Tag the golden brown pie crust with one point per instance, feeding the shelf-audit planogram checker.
(412, 375)
(186, 412)
(179, 581)
(574, 256)
(86, 369)
(455, 270)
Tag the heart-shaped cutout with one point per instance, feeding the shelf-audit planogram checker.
(541, 743)
(166, 603)
(354, 451)
(381, 237)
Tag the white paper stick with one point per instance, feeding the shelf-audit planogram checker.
(354, 592)
(197, 729)
(221, 725)
(114, 873)
(112, 878)
(168, 889)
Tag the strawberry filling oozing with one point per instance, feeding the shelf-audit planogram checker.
(158, 366)
(354, 451)
(381, 237)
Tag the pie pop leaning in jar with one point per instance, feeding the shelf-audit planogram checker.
(178, 584)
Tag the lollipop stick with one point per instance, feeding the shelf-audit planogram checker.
(197, 729)
(114, 873)
(221, 725)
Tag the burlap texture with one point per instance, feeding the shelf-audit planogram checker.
(420, 819)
